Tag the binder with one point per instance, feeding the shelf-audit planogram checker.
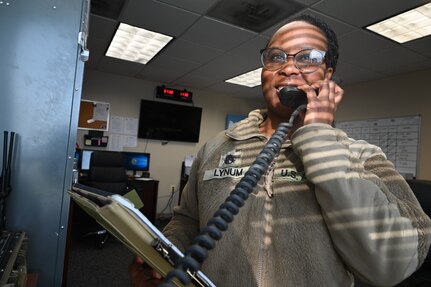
(121, 219)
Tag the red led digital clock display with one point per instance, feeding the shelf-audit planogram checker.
(173, 94)
(184, 94)
(168, 91)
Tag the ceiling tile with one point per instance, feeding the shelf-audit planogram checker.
(102, 28)
(215, 34)
(189, 51)
(422, 46)
(364, 12)
(172, 67)
(96, 46)
(359, 43)
(200, 6)
(253, 15)
(158, 17)
(346, 73)
(390, 60)
(251, 48)
(93, 60)
(117, 66)
(307, 2)
(107, 8)
(227, 66)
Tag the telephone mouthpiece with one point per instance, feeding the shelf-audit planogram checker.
(292, 97)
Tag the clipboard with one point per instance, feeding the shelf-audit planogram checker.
(121, 219)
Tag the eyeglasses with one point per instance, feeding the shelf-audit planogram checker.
(307, 61)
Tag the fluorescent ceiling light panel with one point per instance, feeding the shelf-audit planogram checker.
(136, 44)
(407, 26)
(250, 79)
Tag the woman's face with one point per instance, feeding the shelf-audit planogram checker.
(292, 38)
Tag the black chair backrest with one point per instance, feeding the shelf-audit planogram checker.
(107, 172)
(422, 190)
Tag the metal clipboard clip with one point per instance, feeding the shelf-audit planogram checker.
(171, 255)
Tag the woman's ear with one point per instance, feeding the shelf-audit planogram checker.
(328, 73)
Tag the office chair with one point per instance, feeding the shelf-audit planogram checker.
(422, 276)
(107, 172)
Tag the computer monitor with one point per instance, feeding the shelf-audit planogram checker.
(137, 161)
(85, 160)
(133, 161)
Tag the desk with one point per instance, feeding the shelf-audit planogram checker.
(147, 191)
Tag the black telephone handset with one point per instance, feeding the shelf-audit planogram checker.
(292, 97)
(205, 241)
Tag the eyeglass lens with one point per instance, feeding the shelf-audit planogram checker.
(306, 61)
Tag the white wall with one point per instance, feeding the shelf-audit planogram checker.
(124, 95)
(403, 95)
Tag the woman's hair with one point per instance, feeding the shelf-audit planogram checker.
(331, 38)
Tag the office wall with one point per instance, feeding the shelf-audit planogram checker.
(124, 95)
(403, 95)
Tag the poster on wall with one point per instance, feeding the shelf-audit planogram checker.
(398, 137)
(123, 133)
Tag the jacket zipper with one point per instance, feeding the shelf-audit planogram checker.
(267, 220)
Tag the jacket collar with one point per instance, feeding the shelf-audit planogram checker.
(248, 127)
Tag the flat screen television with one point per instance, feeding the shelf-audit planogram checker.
(169, 122)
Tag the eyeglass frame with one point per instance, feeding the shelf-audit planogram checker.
(293, 58)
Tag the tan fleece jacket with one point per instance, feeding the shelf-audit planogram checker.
(329, 208)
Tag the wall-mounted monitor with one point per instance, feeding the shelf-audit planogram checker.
(169, 122)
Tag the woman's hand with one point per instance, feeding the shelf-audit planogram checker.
(321, 107)
(143, 276)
